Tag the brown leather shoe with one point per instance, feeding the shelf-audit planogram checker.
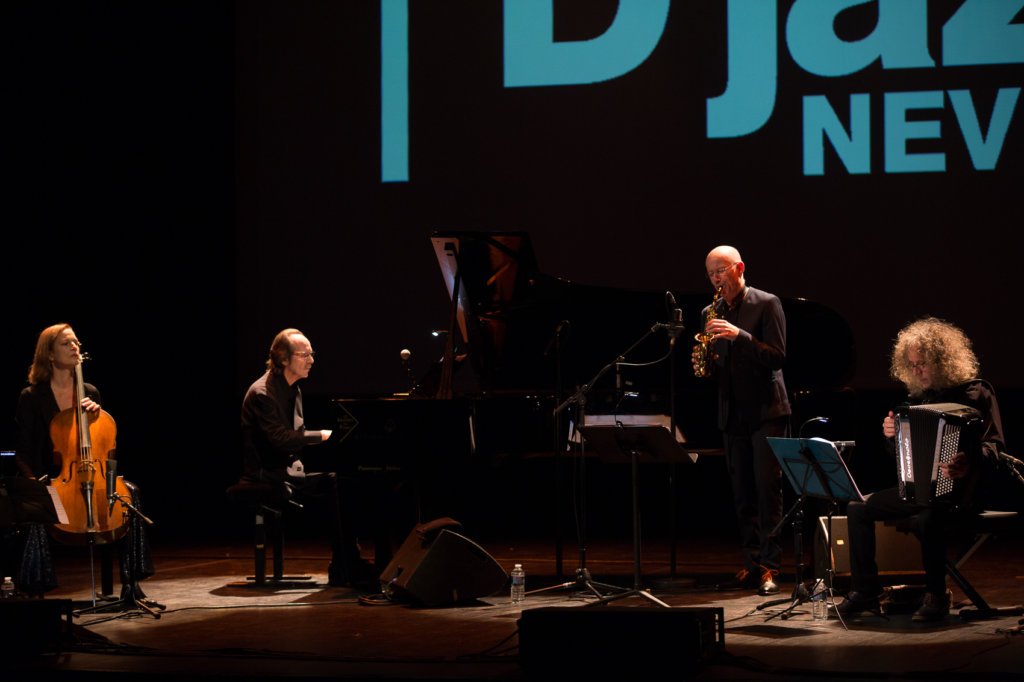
(934, 607)
(743, 580)
(768, 585)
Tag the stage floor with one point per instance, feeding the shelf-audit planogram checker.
(215, 627)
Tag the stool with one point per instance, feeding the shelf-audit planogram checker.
(982, 525)
(267, 501)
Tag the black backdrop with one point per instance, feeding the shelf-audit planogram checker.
(187, 178)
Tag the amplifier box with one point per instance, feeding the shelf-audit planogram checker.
(33, 626)
(895, 551)
(610, 640)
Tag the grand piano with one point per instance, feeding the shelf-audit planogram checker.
(519, 342)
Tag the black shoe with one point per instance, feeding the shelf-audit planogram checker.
(360, 573)
(743, 580)
(768, 585)
(857, 603)
(934, 607)
(337, 576)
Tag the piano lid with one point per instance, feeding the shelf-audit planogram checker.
(507, 313)
(486, 269)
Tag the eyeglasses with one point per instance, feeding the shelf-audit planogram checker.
(918, 365)
(718, 272)
(303, 355)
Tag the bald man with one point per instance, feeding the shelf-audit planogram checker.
(749, 338)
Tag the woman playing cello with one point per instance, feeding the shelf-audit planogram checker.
(52, 390)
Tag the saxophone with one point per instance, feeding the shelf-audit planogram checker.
(703, 356)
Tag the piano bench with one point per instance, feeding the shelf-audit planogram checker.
(981, 526)
(266, 501)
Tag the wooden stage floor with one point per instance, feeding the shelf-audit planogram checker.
(213, 627)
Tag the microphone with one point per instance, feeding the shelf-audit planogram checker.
(559, 330)
(675, 325)
(111, 485)
(405, 354)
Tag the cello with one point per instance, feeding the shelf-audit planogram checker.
(86, 445)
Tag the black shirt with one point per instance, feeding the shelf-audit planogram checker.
(37, 406)
(273, 432)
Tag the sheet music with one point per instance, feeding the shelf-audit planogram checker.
(632, 420)
(62, 515)
(838, 478)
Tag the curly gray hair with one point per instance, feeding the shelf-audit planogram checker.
(943, 345)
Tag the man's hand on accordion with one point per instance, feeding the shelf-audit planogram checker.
(889, 426)
(958, 467)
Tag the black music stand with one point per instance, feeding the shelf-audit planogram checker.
(25, 500)
(814, 469)
(628, 443)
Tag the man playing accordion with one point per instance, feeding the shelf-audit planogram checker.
(935, 362)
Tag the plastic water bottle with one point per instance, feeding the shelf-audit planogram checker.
(819, 601)
(518, 584)
(8, 588)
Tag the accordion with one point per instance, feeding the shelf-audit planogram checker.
(925, 436)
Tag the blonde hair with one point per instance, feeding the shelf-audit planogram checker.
(42, 368)
(941, 344)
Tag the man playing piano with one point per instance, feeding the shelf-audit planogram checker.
(273, 436)
(935, 362)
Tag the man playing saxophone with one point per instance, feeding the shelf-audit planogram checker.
(748, 336)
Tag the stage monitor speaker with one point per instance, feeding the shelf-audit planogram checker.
(33, 626)
(441, 569)
(619, 640)
(895, 552)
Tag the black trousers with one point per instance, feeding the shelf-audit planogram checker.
(757, 492)
(931, 526)
(320, 492)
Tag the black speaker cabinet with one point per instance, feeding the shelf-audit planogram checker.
(608, 641)
(33, 626)
(446, 569)
(895, 552)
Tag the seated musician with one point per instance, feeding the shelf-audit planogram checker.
(273, 436)
(51, 390)
(934, 360)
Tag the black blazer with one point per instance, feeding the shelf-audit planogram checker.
(749, 369)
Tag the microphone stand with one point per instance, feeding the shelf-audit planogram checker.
(674, 330)
(558, 446)
(583, 579)
(129, 598)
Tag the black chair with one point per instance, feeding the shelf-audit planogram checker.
(267, 502)
(980, 527)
